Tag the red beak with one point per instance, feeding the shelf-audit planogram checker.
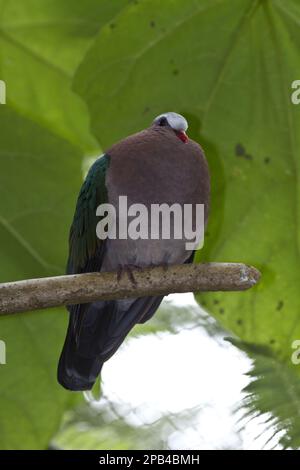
(182, 136)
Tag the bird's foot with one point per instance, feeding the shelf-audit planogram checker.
(128, 269)
(165, 266)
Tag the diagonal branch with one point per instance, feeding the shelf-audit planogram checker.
(46, 292)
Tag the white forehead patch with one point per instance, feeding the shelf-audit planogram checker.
(176, 121)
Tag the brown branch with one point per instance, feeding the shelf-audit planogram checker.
(46, 292)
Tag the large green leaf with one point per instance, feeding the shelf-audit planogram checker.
(41, 45)
(40, 175)
(228, 66)
(273, 386)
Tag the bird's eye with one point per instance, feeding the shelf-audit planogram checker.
(163, 121)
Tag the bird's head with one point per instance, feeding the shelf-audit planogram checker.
(174, 121)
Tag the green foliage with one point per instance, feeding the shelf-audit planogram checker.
(227, 65)
(35, 205)
(274, 387)
(41, 45)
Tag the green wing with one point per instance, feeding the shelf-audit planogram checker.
(85, 248)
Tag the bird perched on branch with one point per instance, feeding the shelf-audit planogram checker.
(159, 165)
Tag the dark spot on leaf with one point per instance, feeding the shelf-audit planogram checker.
(267, 160)
(112, 25)
(272, 341)
(221, 311)
(239, 321)
(216, 301)
(175, 72)
(146, 110)
(239, 150)
(280, 305)
(152, 24)
(203, 302)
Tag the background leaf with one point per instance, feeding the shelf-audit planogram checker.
(41, 45)
(41, 173)
(245, 55)
(35, 208)
(274, 386)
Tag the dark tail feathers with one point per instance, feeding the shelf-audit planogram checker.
(94, 334)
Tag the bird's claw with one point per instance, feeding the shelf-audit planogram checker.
(128, 268)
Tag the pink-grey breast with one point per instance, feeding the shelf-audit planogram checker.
(154, 166)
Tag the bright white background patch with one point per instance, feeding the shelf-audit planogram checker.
(171, 373)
